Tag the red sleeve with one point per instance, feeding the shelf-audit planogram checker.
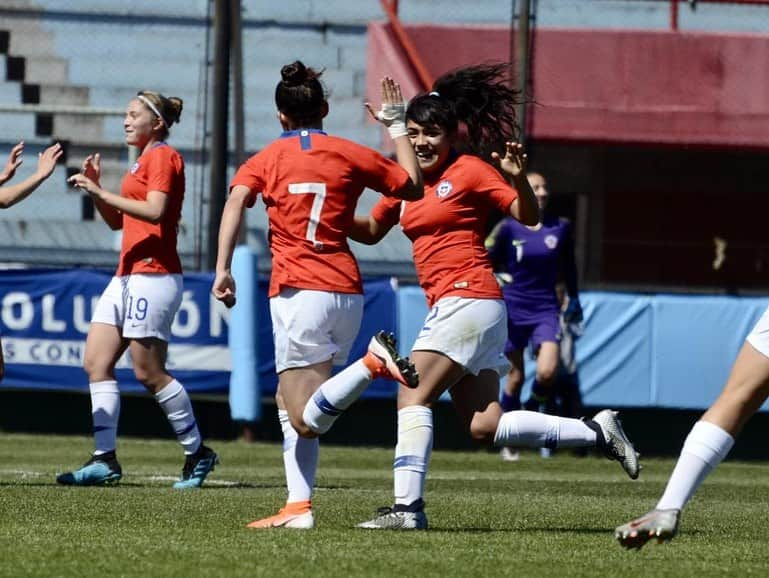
(250, 175)
(495, 189)
(380, 173)
(162, 168)
(387, 211)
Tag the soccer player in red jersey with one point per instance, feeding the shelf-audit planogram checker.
(461, 346)
(137, 308)
(310, 183)
(12, 194)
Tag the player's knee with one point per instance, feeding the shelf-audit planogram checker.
(546, 376)
(150, 377)
(95, 369)
(302, 429)
(483, 430)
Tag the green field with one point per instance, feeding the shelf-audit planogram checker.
(488, 518)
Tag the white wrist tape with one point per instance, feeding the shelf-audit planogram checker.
(393, 116)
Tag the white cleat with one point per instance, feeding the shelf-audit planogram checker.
(661, 525)
(386, 519)
(509, 455)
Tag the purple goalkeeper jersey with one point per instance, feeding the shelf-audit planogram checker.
(536, 260)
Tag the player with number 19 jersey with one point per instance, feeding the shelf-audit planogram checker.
(310, 183)
(447, 228)
(151, 247)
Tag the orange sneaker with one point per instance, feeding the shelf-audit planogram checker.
(383, 360)
(293, 515)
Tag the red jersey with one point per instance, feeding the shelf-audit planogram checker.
(149, 247)
(310, 183)
(447, 228)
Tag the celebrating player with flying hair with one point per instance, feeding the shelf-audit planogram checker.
(310, 182)
(137, 308)
(461, 345)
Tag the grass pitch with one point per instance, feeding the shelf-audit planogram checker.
(488, 518)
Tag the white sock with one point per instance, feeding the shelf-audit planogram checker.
(334, 396)
(530, 429)
(412, 453)
(705, 447)
(105, 411)
(300, 460)
(176, 404)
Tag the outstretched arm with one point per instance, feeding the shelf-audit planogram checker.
(525, 207)
(46, 163)
(393, 115)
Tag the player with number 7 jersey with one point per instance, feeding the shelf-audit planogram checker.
(310, 183)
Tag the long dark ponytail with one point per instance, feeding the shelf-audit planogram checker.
(477, 99)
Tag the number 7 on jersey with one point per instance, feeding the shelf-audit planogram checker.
(319, 190)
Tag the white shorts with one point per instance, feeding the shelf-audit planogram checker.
(471, 332)
(143, 305)
(311, 327)
(759, 335)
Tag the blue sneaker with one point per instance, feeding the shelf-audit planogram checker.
(98, 471)
(196, 467)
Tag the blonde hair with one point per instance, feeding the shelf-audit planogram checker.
(167, 109)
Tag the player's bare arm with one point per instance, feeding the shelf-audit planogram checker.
(524, 208)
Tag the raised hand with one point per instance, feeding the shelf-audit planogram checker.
(46, 160)
(515, 160)
(92, 167)
(13, 163)
(392, 112)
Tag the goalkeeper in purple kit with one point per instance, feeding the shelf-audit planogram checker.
(530, 261)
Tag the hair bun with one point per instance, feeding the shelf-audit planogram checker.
(294, 74)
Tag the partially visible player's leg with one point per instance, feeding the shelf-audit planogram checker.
(104, 346)
(707, 444)
(300, 453)
(339, 392)
(415, 442)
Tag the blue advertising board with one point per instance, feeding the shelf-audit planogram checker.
(44, 319)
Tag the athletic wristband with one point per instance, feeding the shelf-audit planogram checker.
(397, 128)
(393, 116)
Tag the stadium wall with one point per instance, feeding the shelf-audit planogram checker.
(628, 86)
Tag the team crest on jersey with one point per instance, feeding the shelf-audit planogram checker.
(134, 167)
(551, 241)
(444, 189)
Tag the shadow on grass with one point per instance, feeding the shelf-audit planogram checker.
(537, 529)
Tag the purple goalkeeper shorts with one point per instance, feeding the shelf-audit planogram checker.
(519, 335)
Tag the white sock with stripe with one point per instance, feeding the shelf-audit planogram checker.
(335, 395)
(176, 404)
(412, 453)
(105, 412)
(300, 460)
